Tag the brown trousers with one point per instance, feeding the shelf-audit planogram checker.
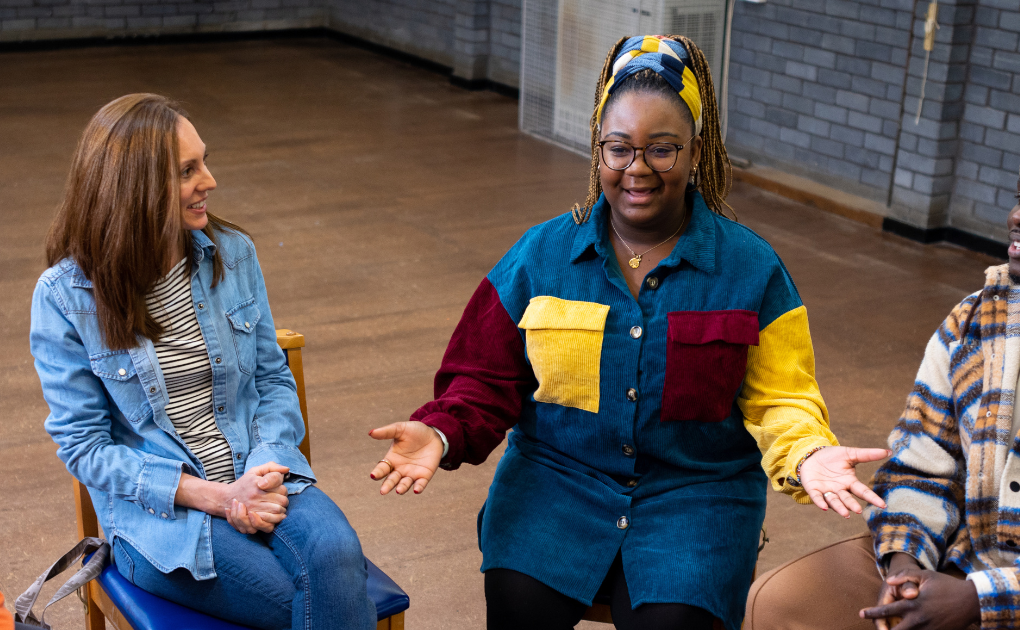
(824, 590)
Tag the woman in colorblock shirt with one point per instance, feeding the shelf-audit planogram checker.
(654, 361)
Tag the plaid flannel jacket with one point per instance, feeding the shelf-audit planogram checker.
(953, 482)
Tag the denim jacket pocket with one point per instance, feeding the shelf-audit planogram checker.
(564, 345)
(243, 319)
(706, 360)
(117, 371)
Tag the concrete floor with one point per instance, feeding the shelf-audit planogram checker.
(379, 196)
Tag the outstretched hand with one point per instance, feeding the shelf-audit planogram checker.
(830, 479)
(413, 456)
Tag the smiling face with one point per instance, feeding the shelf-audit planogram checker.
(1013, 223)
(640, 197)
(196, 180)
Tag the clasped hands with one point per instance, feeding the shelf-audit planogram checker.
(913, 598)
(257, 501)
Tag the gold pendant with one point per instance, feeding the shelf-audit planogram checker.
(635, 262)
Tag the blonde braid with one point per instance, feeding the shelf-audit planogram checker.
(594, 183)
(715, 176)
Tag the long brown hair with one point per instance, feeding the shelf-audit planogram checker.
(715, 177)
(120, 219)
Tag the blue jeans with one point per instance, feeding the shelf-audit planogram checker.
(309, 574)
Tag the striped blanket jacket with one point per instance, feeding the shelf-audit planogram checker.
(953, 482)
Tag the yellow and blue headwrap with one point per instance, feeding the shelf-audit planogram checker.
(665, 57)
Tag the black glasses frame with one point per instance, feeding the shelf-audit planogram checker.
(633, 156)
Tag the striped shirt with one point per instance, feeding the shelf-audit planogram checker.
(184, 361)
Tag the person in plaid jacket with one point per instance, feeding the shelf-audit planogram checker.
(947, 546)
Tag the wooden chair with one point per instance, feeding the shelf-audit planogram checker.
(600, 612)
(128, 607)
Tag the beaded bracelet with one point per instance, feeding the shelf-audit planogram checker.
(794, 480)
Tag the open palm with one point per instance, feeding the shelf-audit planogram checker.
(413, 456)
(829, 477)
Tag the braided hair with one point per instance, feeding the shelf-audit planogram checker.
(715, 175)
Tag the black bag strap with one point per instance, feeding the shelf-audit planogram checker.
(23, 605)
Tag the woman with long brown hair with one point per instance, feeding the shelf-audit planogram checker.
(169, 396)
(653, 359)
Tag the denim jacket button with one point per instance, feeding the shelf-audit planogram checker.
(247, 325)
(201, 306)
(152, 390)
(122, 371)
(152, 511)
(163, 515)
(219, 360)
(238, 456)
(220, 409)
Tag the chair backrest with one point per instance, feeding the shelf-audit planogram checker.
(291, 342)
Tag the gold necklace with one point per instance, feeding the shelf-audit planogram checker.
(635, 261)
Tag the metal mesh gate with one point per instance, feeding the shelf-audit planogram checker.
(564, 43)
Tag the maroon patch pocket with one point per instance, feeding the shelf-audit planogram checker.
(706, 359)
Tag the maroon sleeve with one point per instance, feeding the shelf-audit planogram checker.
(482, 382)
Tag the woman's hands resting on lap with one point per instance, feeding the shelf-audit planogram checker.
(414, 453)
(257, 501)
(830, 479)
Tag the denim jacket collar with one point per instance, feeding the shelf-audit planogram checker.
(203, 247)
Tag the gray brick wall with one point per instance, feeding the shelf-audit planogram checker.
(829, 89)
(989, 134)
(59, 19)
(817, 84)
(424, 28)
(480, 39)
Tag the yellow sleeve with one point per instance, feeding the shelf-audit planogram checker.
(783, 408)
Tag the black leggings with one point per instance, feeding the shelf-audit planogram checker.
(515, 601)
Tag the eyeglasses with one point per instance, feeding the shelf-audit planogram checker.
(659, 156)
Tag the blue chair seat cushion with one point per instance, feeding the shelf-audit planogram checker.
(145, 611)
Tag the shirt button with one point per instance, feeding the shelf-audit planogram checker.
(238, 456)
(201, 306)
(628, 450)
(152, 390)
(624, 523)
(122, 371)
(632, 394)
(152, 511)
(247, 325)
(163, 515)
(652, 282)
(632, 483)
(988, 414)
(219, 360)
(995, 298)
(1014, 486)
(635, 332)
(220, 409)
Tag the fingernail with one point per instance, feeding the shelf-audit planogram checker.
(417, 491)
(372, 476)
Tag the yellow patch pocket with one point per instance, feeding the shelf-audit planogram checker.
(564, 341)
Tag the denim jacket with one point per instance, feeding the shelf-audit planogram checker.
(107, 407)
